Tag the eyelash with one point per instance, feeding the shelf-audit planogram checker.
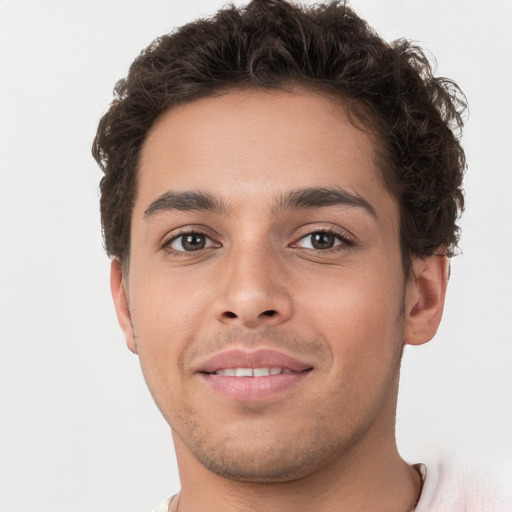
(167, 244)
(346, 241)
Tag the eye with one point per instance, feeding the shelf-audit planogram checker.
(190, 242)
(321, 240)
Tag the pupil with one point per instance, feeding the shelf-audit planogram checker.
(193, 242)
(322, 240)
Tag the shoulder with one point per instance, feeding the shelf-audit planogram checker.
(164, 507)
(455, 485)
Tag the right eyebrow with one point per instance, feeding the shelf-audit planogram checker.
(191, 200)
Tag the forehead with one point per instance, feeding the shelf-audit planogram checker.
(256, 143)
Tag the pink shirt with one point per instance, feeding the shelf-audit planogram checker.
(450, 487)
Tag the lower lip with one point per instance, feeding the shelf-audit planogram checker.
(254, 389)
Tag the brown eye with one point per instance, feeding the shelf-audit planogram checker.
(321, 241)
(190, 242)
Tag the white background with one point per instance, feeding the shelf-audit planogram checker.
(78, 430)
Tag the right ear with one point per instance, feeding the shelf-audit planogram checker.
(117, 286)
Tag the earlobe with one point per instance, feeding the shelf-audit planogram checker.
(425, 296)
(120, 297)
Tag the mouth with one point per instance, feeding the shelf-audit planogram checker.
(253, 372)
(250, 376)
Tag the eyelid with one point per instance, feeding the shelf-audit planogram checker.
(208, 243)
(188, 230)
(346, 239)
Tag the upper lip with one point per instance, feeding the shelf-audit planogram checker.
(260, 358)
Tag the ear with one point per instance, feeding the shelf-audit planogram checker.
(120, 297)
(424, 303)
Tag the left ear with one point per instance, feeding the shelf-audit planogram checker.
(424, 303)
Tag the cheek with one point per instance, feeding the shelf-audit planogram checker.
(166, 306)
(359, 313)
(363, 329)
(166, 314)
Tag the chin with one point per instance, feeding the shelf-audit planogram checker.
(261, 468)
(255, 456)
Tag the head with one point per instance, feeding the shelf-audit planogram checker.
(388, 90)
(281, 191)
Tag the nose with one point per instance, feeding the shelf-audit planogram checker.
(252, 291)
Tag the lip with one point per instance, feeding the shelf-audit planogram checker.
(261, 358)
(252, 389)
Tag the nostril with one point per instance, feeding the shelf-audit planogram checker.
(270, 313)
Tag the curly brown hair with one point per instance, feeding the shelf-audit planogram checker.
(389, 88)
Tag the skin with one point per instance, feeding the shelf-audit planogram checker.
(327, 443)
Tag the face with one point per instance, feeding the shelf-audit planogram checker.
(265, 296)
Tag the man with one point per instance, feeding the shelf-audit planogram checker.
(280, 199)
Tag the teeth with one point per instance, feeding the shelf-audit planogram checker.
(261, 372)
(243, 372)
(252, 372)
(230, 372)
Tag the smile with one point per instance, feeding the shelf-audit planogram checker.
(252, 372)
(253, 376)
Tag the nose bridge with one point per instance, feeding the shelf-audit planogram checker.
(253, 290)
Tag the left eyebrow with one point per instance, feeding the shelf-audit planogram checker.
(306, 198)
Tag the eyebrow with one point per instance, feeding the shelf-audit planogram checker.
(303, 198)
(306, 198)
(186, 201)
